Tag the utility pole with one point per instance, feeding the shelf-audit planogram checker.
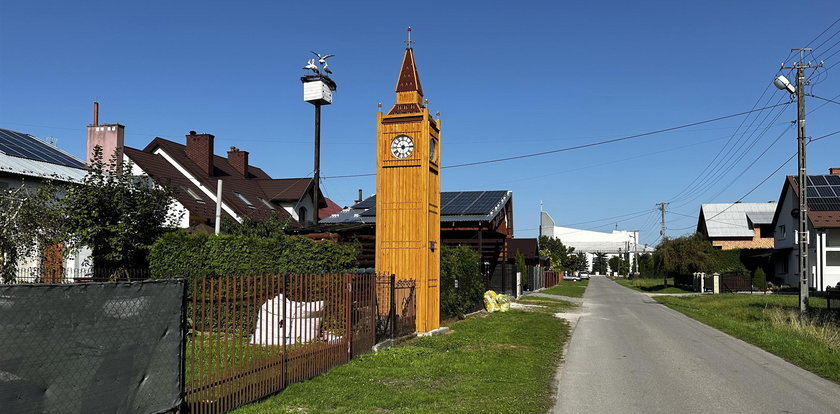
(802, 236)
(662, 236)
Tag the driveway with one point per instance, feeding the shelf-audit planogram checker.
(629, 354)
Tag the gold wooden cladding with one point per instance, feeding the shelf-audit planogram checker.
(408, 205)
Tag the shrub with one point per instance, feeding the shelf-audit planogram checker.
(191, 255)
(759, 279)
(461, 264)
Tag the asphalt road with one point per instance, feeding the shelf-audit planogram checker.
(629, 354)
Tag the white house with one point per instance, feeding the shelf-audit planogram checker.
(823, 228)
(27, 161)
(589, 242)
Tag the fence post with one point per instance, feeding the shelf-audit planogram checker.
(348, 294)
(285, 322)
(392, 315)
(716, 283)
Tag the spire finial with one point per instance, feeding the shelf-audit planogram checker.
(409, 42)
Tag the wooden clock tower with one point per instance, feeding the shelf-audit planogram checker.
(408, 194)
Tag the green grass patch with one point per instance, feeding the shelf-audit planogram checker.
(570, 288)
(651, 285)
(502, 363)
(771, 322)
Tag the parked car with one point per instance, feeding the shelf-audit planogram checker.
(567, 275)
(583, 275)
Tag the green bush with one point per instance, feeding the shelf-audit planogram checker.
(461, 264)
(191, 255)
(724, 261)
(759, 279)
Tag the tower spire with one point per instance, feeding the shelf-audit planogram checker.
(409, 42)
(409, 91)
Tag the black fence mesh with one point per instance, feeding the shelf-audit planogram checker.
(91, 348)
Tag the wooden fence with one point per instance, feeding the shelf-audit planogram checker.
(252, 336)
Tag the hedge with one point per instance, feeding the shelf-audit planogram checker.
(188, 255)
(461, 264)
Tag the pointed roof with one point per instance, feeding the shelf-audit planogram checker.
(409, 80)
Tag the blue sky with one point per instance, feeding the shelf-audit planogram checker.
(509, 78)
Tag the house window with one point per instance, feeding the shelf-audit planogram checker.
(302, 215)
(832, 258)
(194, 195)
(245, 200)
(832, 238)
(267, 204)
(781, 233)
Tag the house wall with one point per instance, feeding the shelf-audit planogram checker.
(756, 242)
(784, 239)
(175, 207)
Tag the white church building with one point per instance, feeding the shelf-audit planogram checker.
(617, 242)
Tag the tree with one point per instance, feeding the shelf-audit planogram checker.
(613, 262)
(561, 256)
(272, 226)
(30, 221)
(581, 262)
(521, 267)
(117, 215)
(646, 265)
(599, 263)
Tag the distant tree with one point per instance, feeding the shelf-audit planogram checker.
(117, 215)
(582, 264)
(561, 256)
(30, 221)
(613, 262)
(682, 255)
(599, 263)
(646, 265)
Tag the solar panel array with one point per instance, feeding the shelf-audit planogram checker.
(22, 145)
(452, 203)
(824, 192)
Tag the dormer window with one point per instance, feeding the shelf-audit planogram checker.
(267, 204)
(245, 200)
(197, 198)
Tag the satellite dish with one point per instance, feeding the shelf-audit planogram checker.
(783, 83)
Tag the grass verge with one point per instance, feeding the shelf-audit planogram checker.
(570, 288)
(771, 322)
(501, 363)
(650, 285)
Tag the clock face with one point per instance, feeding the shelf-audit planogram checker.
(402, 146)
(432, 149)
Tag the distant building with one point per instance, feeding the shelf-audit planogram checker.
(590, 242)
(823, 230)
(193, 171)
(737, 226)
(27, 161)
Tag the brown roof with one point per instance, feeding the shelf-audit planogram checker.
(258, 189)
(528, 248)
(409, 80)
(819, 219)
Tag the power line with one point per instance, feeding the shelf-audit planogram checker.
(582, 146)
(824, 99)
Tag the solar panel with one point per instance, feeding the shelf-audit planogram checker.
(833, 179)
(367, 203)
(816, 180)
(485, 202)
(824, 204)
(22, 145)
(825, 191)
(371, 212)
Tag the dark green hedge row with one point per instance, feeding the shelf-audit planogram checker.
(182, 254)
(461, 264)
(725, 261)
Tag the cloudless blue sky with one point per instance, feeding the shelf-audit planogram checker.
(508, 78)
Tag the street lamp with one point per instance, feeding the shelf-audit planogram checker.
(317, 90)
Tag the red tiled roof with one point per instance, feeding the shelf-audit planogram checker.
(329, 210)
(257, 187)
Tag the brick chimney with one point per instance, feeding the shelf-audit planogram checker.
(200, 151)
(239, 160)
(834, 170)
(111, 137)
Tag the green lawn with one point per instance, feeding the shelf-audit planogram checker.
(653, 285)
(570, 288)
(500, 363)
(771, 322)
